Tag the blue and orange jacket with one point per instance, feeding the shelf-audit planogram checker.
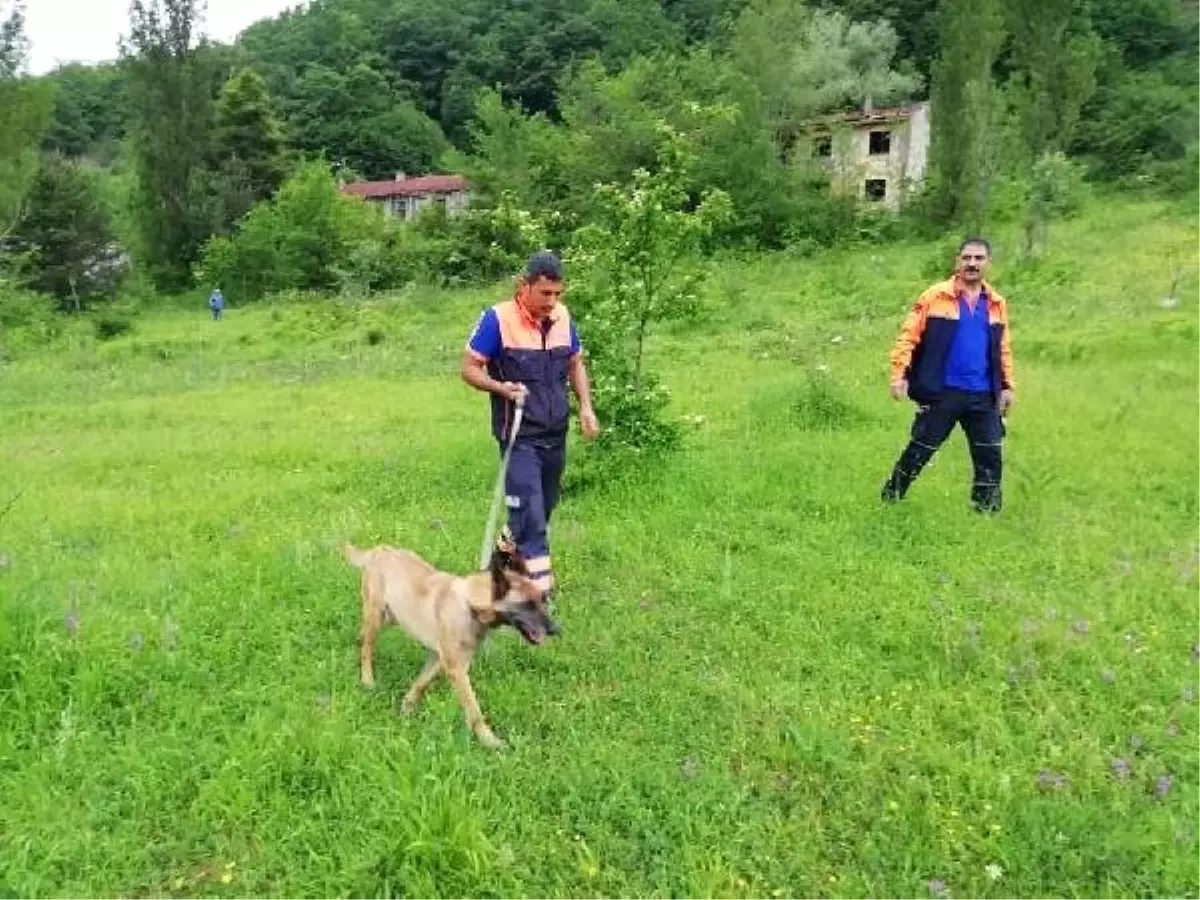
(919, 354)
(538, 355)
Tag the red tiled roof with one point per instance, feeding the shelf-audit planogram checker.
(422, 184)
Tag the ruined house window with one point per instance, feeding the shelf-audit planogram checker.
(875, 189)
(823, 146)
(881, 143)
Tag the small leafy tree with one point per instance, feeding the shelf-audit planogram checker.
(633, 267)
(1054, 188)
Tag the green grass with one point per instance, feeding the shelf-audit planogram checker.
(767, 684)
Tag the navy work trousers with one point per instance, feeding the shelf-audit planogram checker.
(531, 488)
(979, 417)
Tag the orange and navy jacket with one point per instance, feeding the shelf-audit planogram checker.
(516, 347)
(919, 354)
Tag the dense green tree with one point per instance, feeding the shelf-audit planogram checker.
(170, 89)
(25, 105)
(805, 62)
(89, 111)
(966, 111)
(248, 145)
(71, 253)
(362, 122)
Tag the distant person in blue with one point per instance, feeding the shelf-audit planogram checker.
(216, 302)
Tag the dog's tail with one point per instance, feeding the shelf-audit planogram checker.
(354, 556)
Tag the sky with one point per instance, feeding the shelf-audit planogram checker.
(62, 31)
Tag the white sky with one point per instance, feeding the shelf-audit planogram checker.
(61, 31)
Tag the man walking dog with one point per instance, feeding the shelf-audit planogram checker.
(953, 358)
(526, 349)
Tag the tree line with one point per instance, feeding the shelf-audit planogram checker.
(187, 159)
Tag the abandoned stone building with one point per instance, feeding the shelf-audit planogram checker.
(877, 154)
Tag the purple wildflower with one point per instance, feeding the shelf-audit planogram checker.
(1051, 781)
(1081, 626)
(1108, 676)
(937, 887)
(1162, 786)
(1121, 768)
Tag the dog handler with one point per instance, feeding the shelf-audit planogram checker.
(953, 358)
(528, 346)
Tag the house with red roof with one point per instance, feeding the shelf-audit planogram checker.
(403, 197)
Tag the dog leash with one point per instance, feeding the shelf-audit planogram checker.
(489, 534)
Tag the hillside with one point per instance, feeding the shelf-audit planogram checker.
(767, 684)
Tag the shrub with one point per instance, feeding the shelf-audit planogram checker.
(634, 267)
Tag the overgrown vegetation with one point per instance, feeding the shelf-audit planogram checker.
(766, 685)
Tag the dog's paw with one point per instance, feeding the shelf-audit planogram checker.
(491, 741)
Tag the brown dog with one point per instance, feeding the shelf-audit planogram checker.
(449, 614)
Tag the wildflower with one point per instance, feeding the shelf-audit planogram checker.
(993, 871)
(1108, 676)
(1121, 768)
(1081, 627)
(1162, 786)
(937, 887)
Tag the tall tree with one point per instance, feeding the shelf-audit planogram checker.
(72, 254)
(170, 87)
(89, 111)
(966, 112)
(1054, 53)
(806, 62)
(25, 105)
(248, 144)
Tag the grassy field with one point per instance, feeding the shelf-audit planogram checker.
(767, 685)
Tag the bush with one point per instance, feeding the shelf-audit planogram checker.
(308, 237)
(633, 268)
(110, 325)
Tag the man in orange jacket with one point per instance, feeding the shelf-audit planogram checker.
(953, 358)
(527, 347)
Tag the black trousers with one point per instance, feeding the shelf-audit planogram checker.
(980, 419)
